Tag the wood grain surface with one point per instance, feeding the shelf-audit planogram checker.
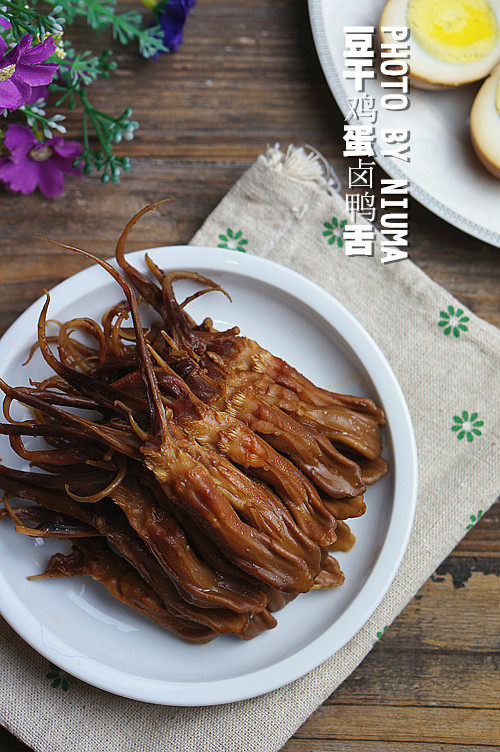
(247, 75)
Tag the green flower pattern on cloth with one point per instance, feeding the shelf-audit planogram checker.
(467, 425)
(453, 320)
(334, 231)
(379, 634)
(474, 518)
(232, 240)
(57, 679)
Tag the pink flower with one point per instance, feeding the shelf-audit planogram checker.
(22, 68)
(31, 163)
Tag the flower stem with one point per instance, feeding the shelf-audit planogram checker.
(91, 112)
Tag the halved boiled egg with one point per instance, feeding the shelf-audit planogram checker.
(485, 123)
(452, 42)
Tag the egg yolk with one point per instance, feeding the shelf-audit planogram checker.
(456, 31)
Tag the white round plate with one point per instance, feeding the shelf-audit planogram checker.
(77, 625)
(444, 173)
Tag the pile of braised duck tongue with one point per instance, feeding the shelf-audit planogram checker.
(211, 484)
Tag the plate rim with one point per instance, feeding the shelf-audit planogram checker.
(329, 68)
(371, 592)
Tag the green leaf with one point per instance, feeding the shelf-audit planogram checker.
(479, 423)
(461, 435)
(472, 518)
(327, 224)
(447, 330)
(327, 232)
(151, 41)
(332, 240)
(64, 685)
(335, 222)
(458, 312)
(444, 315)
(124, 26)
(451, 310)
(442, 323)
(25, 19)
(456, 332)
(465, 415)
(457, 419)
(476, 432)
(340, 242)
(473, 417)
(222, 237)
(480, 513)
(238, 235)
(244, 241)
(470, 437)
(56, 682)
(463, 327)
(229, 233)
(456, 428)
(465, 318)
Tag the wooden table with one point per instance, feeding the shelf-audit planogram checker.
(247, 75)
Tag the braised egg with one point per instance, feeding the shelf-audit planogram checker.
(485, 123)
(452, 42)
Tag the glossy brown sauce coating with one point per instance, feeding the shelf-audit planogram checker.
(211, 484)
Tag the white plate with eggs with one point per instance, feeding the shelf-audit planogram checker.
(453, 153)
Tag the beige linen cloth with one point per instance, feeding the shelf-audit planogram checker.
(446, 360)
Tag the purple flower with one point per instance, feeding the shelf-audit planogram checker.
(31, 163)
(37, 92)
(4, 23)
(22, 68)
(172, 16)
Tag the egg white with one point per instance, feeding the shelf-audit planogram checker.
(485, 123)
(429, 72)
